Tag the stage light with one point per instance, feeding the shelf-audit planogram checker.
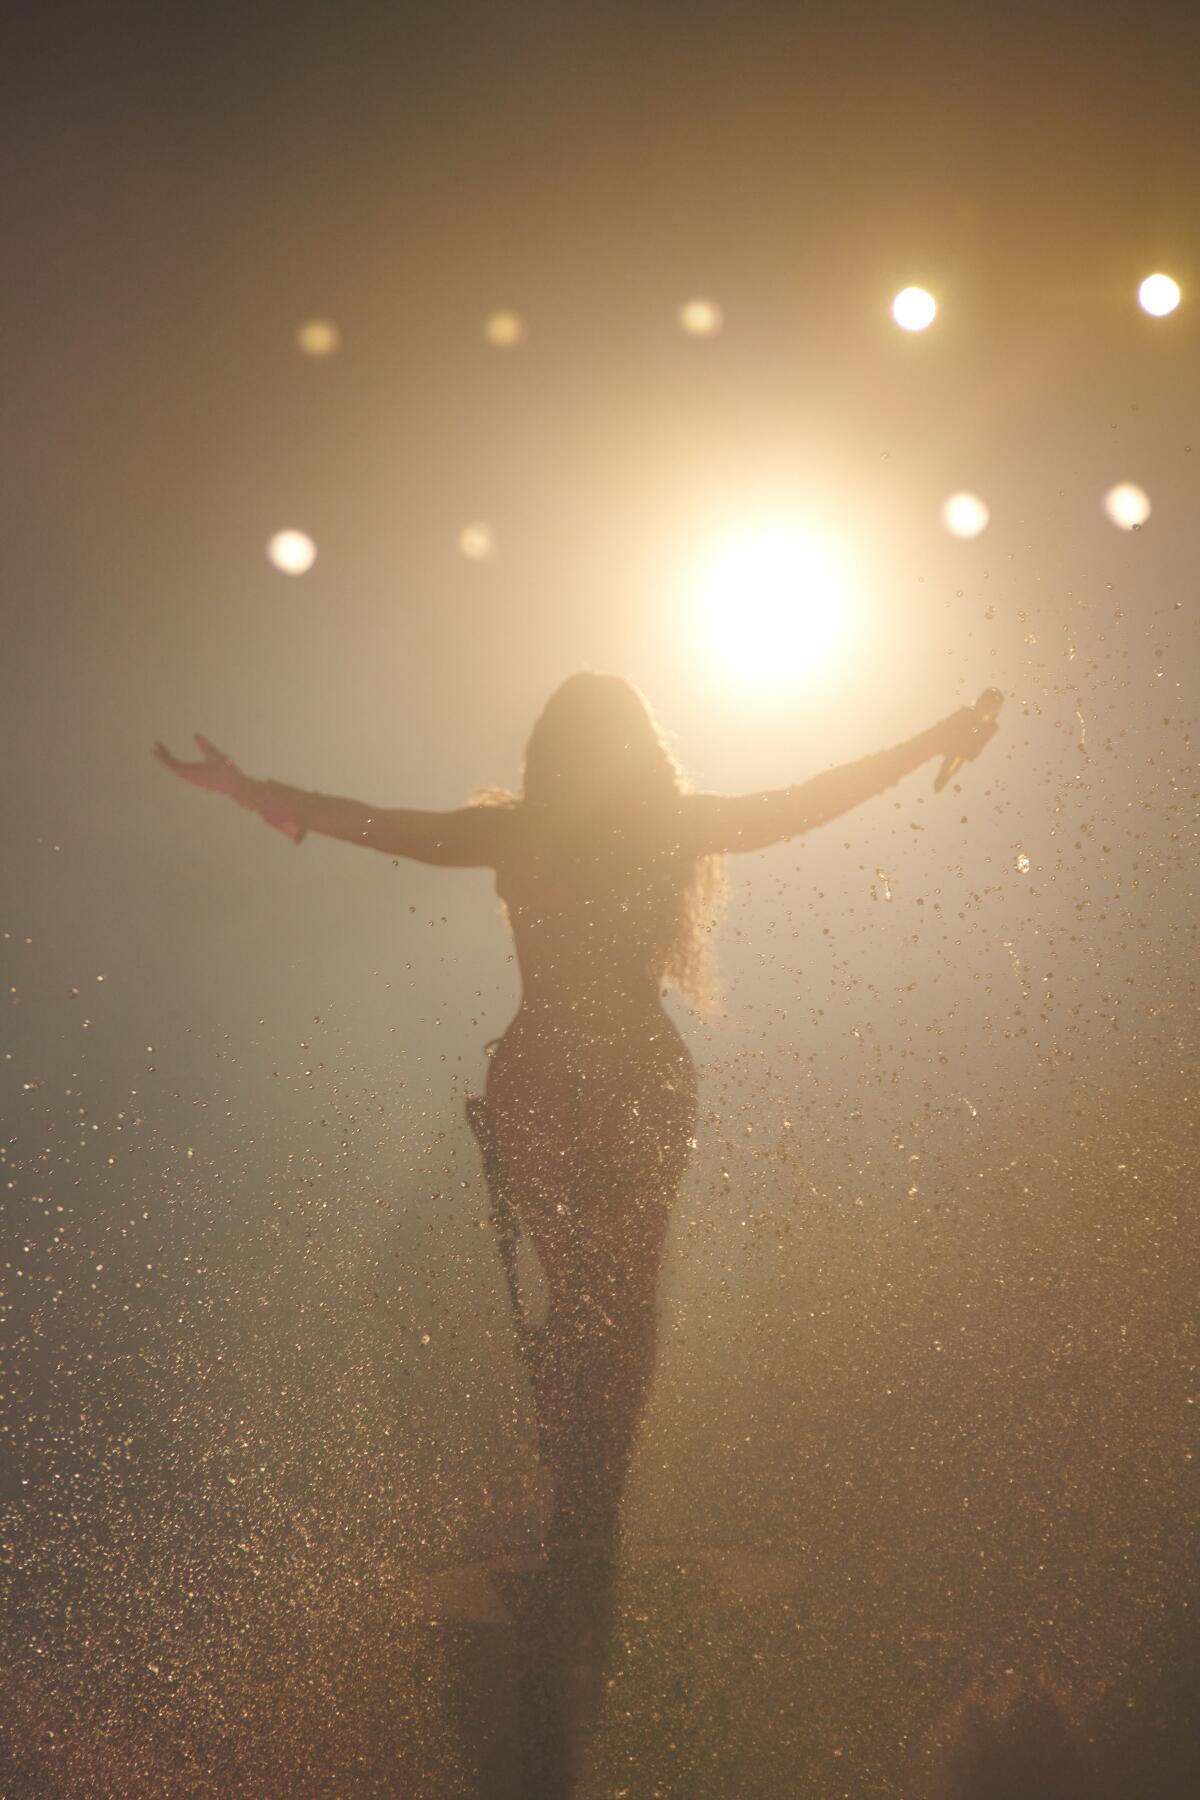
(964, 515)
(477, 542)
(773, 606)
(701, 318)
(504, 329)
(913, 309)
(319, 337)
(1159, 295)
(292, 551)
(1127, 505)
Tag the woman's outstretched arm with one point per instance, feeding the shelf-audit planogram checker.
(467, 838)
(722, 823)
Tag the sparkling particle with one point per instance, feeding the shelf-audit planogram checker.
(1023, 864)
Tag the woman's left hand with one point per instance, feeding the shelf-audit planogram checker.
(215, 771)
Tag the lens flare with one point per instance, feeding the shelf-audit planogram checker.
(965, 515)
(1159, 295)
(504, 329)
(913, 309)
(319, 337)
(477, 542)
(701, 318)
(292, 551)
(1127, 505)
(773, 606)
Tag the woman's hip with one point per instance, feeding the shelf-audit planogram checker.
(563, 1103)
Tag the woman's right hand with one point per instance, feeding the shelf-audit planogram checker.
(215, 771)
(965, 732)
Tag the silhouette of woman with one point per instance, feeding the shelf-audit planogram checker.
(609, 871)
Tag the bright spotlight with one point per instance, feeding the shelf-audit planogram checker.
(319, 337)
(701, 318)
(1159, 295)
(913, 309)
(504, 329)
(773, 606)
(964, 515)
(477, 542)
(1127, 505)
(292, 551)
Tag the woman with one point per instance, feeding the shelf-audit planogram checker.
(608, 868)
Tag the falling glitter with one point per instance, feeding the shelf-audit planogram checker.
(1023, 864)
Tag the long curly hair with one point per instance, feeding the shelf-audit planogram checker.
(597, 746)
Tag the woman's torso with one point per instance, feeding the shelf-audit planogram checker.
(592, 909)
(593, 906)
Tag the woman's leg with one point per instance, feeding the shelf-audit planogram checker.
(600, 1342)
(594, 1167)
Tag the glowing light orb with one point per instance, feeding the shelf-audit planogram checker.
(319, 337)
(292, 551)
(965, 515)
(1127, 505)
(1159, 295)
(913, 309)
(773, 606)
(701, 318)
(477, 542)
(504, 329)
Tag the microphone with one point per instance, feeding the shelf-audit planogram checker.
(987, 708)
